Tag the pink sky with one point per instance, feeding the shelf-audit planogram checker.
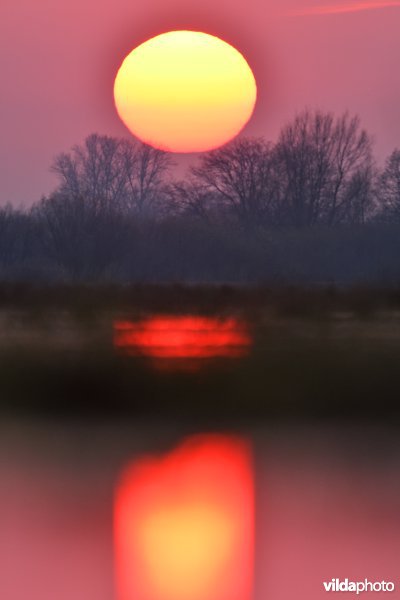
(59, 60)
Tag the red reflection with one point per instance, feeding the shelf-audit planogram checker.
(184, 524)
(170, 337)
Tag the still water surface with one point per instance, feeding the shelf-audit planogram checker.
(230, 364)
(326, 504)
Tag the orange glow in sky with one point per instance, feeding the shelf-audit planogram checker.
(185, 91)
(184, 523)
(177, 337)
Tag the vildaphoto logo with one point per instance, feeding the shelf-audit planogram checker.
(344, 585)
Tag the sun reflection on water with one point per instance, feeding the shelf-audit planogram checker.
(181, 338)
(184, 523)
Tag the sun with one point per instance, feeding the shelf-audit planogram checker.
(185, 91)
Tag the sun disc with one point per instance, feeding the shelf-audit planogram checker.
(185, 91)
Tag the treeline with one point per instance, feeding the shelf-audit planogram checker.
(311, 208)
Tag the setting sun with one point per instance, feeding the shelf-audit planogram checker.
(185, 91)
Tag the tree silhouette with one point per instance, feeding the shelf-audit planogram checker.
(389, 187)
(106, 170)
(240, 177)
(322, 161)
(82, 238)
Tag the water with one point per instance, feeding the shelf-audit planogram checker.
(327, 504)
(232, 364)
(278, 497)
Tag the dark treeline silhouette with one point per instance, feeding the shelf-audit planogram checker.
(313, 207)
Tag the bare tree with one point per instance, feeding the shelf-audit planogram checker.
(320, 159)
(239, 176)
(81, 237)
(14, 234)
(145, 169)
(109, 172)
(193, 199)
(103, 183)
(359, 197)
(389, 188)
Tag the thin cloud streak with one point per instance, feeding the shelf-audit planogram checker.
(334, 9)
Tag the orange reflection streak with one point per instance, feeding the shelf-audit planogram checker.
(184, 524)
(183, 337)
